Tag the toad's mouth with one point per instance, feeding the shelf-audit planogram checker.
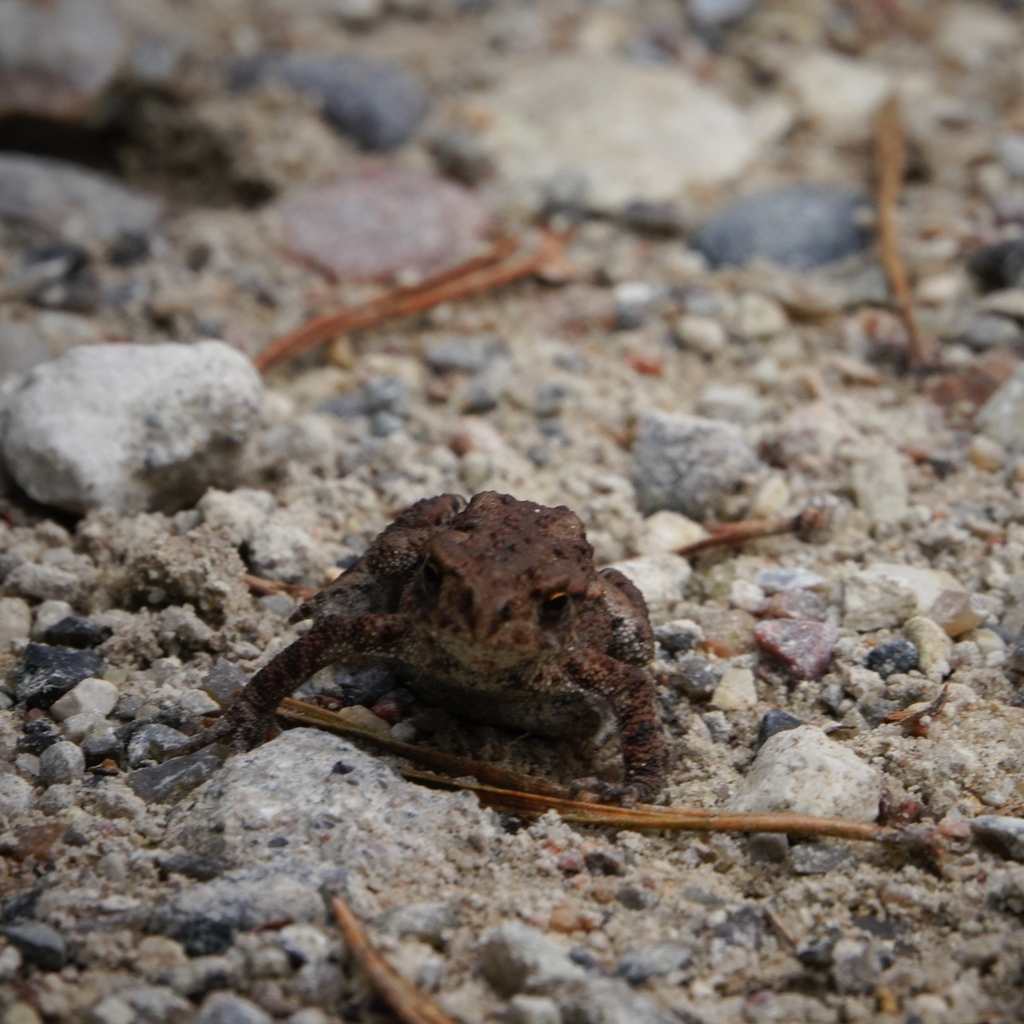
(495, 654)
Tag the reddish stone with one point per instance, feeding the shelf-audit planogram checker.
(797, 604)
(389, 710)
(372, 225)
(571, 862)
(974, 383)
(728, 633)
(802, 647)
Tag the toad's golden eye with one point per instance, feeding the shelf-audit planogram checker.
(432, 576)
(553, 607)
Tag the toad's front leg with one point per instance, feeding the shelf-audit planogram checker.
(333, 639)
(629, 691)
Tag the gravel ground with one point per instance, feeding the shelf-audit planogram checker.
(204, 178)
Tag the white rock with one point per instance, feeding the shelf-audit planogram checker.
(661, 579)
(280, 550)
(239, 512)
(734, 403)
(517, 958)
(704, 334)
(15, 621)
(15, 794)
(934, 646)
(134, 427)
(735, 690)
(759, 316)
(880, 485)
(48, 614)
(838, 93)
(925, 584)
(972, 34)
(666, 531)
(804, 772)
(90, 696)
(1001, 418)
(533, 1010)
(634, 131)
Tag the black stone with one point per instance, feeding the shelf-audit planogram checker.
(47, 673)
(202, 869)
(584, 958)
(604, 862)
(664, 220)
(39, 944)
(775, 720)
(128, 248)
(72, 631)
(63, 277)
(801, 226)
(892, 656)
(36, 737)
(817, 858)
(202, 936)
(98, 748)
(999, 265)
(817, 954)
(15, 909)
(169, 782)
(377, 103)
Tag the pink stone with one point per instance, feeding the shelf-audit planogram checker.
(374, 224)
(803, 647)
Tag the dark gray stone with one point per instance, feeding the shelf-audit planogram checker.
(223, 681)
(775, 720)
(679, 635)
(72, 631)
(767, 847)
(637, 965)
(892, 656)
(696, 677)
(800, 226)
(691, 465)
(817, 858)
(40, 945)
(47, 673)
(1004, 833)
(60, 764)
(377, 103)
(1000, 265)
(169, 782)
(98, 747)
(467, 355)
(991, 331)
(425, 921)
(459, 154)
(154, 743)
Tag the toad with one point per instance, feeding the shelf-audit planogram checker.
(494, 611)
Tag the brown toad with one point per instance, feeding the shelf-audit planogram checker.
(494, 611)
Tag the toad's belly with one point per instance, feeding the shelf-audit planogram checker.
(571, 713)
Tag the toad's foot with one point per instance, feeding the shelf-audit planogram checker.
(241, 726)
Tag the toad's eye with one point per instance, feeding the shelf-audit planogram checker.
(432, 577)
(554, 607)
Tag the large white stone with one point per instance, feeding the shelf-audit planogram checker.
(632, 131)
(839, 94)
(802, 771)
(660, 578)
(133, 427)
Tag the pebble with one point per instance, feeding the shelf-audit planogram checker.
(68, 201)
(679, 635)
(775, 581)
(661, 579)
(986, 454)
(817, 858)
(1001, 418)
(797, 604)
(839, 94)
(90, 696)
(957, 611)
(799, 226)
(39, 944)
(227, 1008)
(533, 1010)
(804, 648)
(880, 485)
(1004, 833)
(703, 334)
(15, 795)
(65, 56)
(735, 690)
(427, 922)
(886, 594)
(802, 771)
(989, 330)
(892, 656)
(467, 355)
(775, 720)
(1010, 151)
(747, 596)
(933, 646)
(667, 531)
(369, 225)
(758, 317)
(48, 614)
(728, 632)
(459, 154)
(177, 423)
(695, 677)
(718, 12)
(223, 682)
(167, 783)
(627, 130)
(517, 958)
(60, 764)
(377, 103)
(47, 673)
(15, 621)
(72, 631)
(691, 465)
(154, 742)
(999, 266)
(637, 965)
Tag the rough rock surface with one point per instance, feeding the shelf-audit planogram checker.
(178, 424)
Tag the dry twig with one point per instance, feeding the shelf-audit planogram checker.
(890, 159)
(410, 1005)
(262, 587)
(917, 723)
(505, 263)
(532, 797)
